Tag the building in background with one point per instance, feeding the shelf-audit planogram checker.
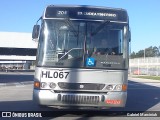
(17, 50)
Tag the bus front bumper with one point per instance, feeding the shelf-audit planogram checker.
(109, 99)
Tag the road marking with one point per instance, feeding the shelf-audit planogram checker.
(133, 84)
(18, 84)
(2, 85)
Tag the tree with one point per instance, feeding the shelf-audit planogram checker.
(155, 51)
(133, 54)
(147, 52)
(140, 53)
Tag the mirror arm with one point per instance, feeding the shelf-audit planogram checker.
(38, 20)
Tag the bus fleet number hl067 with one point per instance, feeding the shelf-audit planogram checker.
(55, 74)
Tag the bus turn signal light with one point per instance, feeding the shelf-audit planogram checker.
(124, 87)
(36, 84)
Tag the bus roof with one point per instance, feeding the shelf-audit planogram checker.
(87, 6)
(85, 12)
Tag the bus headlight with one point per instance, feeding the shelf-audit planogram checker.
(109, 87)
(43, 84)
(52, 85)
(120, 87)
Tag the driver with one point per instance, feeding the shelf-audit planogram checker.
(104, 48)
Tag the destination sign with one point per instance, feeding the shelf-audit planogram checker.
(97, 14)
(86, 13)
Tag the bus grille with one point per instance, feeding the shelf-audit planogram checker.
(81, 86)
(79, 99)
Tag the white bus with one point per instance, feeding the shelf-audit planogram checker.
(82, 57)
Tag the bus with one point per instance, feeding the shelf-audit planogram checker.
(82, 57)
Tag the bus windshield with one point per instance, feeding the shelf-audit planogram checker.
(71, 43)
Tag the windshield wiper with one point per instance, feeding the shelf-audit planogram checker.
(100, 27)
(69, 52)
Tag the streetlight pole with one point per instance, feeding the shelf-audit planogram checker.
(144, 54)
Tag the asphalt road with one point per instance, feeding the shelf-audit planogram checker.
(16, 95)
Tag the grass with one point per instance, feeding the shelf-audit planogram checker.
(148, 77)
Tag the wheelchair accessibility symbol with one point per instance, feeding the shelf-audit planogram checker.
(90, 62)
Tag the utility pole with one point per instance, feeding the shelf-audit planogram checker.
(144, 54)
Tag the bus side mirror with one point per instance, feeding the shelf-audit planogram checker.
(35, 32)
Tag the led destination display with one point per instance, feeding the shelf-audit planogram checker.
(86, 13)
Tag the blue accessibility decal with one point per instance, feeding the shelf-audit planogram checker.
(90, 62)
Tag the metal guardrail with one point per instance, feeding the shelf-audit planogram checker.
(145, 66)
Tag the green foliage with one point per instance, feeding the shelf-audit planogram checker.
(147, 52)
(149, 77)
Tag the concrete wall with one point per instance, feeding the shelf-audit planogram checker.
(17, 40)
